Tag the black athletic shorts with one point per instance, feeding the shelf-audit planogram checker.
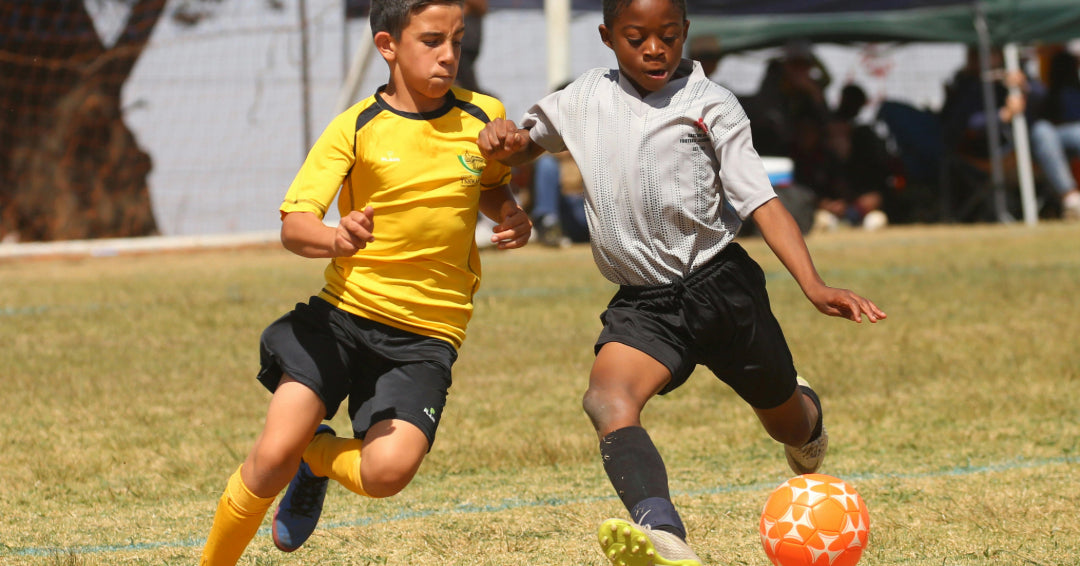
(718, 316)
(386, 372)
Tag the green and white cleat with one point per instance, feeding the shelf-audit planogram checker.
(629, 544)
(807, 459)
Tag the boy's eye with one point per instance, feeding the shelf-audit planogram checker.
(635, 42)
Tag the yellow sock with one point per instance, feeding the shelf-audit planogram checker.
(336, 458)
(239, 515)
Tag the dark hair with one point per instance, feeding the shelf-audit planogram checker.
(1061, 76)
(613, 8)
(1063, 71)
(392, 16)
(852, 99)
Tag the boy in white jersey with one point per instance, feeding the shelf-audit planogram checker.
(670, 173)
(408, 179)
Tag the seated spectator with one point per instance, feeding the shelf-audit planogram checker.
(1055, 131)
(851, 176)
(963, 115)
(558, 202)
(966, 128)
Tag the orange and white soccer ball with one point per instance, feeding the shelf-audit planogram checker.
(814, 520)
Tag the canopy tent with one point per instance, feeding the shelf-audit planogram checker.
(748, 24)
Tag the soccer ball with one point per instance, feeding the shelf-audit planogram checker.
(814, 520)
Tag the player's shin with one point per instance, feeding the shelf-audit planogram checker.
(239, 514)
(638, 474)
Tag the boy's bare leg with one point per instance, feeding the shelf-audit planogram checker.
(392, 453)
(381, 465)
(294, 413)
(623, 379)
(798, 424)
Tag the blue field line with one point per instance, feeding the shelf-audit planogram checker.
(512, 504)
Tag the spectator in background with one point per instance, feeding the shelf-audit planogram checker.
(1055, 130)
(475, 10)
(963, 114)
(789, 100)
(705, 49)
(558, 201)
(850, 174)
(965, 126)
(787, 116)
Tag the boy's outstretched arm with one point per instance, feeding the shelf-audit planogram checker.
(782, 235)
(304, 234)
(514, 226)
(503, 141)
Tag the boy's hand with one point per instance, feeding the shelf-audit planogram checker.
(353, 233)
(501, 139)
(515, 228)
(846, 304)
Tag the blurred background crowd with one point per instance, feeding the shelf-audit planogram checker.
(122, 118)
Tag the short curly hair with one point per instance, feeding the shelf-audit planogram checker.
(612, 8)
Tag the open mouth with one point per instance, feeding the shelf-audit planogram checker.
(658, 74)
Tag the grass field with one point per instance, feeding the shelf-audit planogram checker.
(129, 397)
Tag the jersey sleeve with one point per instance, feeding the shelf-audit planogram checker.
(320, 177)
(742, 174)
(542, 121)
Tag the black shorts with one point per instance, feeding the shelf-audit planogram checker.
(386, 372)
(720, 317)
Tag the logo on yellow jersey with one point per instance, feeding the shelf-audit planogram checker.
(472, 163)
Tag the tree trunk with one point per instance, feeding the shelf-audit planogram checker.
(69, 166)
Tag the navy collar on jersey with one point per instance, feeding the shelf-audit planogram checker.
(449, 101)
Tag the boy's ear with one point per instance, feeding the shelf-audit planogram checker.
(386, 45)
(605, 36)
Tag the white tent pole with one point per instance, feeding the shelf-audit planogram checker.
(357, 70)
(557, 16)
(1023, 148)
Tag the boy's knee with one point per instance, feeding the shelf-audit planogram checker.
(270, 471)
(386, 480)
(595, 404)
(608, 410)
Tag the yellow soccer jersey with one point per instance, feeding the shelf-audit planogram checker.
(422, 173)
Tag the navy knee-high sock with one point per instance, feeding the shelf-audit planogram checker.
(639, 477)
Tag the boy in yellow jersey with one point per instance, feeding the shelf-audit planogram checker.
(384, 331)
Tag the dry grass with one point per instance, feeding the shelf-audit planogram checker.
(129, 397)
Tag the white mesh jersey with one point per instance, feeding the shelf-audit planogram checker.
(668, 178)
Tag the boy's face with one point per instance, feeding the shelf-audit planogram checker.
(424, 61)
(647, 38)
